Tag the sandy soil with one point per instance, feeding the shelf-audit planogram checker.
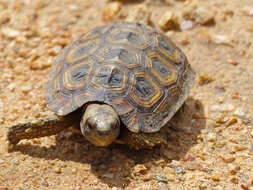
(212, 144)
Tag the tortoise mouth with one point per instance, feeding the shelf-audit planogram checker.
(100, 138)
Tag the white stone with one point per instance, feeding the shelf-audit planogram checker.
(14, 160)
(11, 86)
(109, 175)
(73, 7)
(239, 112)
(10, 32)
(212, 137)
(223, 108)
(186, 25)
(26, 88)
(222, 39)
(248, 10)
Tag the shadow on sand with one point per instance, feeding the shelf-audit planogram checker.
(114, 165)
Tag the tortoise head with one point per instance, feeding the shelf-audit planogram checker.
(100, 124)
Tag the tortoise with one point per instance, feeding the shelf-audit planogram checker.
(120, 82)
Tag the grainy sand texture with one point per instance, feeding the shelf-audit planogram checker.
(211, 146)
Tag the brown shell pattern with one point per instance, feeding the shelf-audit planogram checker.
(132, 67)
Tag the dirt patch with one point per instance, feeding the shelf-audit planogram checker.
(211, 144)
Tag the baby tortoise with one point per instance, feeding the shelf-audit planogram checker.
(121, 82)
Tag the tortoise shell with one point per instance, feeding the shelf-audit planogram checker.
(130, 66)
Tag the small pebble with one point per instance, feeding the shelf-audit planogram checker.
(45, 183)
(170, 177)
(189, 9)
(235, 95)
(74, 170)
(249, 26)
(10, 32)
(215, 178)
(108, 175)
(26, 88)
(14, 160)
(110, 11)
(205, 79)
(160, 178)
(212, 137)
(186, 25)
(174, 163)
(232, 62)
(11, 86)
(5, 16)
(223, 108)
(203, 16)
(160, 162)
(248, 10)
(179, 171)
(220, 88)
(141, 13)
(204, 36)
(231, 121)
(57, 170)
(189, 157)
(1, 105)
(95, 181)
(244, 186)
(193, 166)
(73, 7)
(55, 50)
(147, 177)
(140, 169)
(222, 40)
(237, 148)
(162, 186)
(169, 21)
(239, 112)
(244, 178)
(227, 159)
(234, 180)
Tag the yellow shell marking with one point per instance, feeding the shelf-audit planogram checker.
(76, 76)
(133, 123)
(83, 50)
(152, 98)
(128, 31)
(56, 101)
(174, 56)
(105, 73)
(127, 57)
(82, 97)
(158, 64)
(122, 105)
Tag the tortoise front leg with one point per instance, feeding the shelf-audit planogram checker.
(36, 128)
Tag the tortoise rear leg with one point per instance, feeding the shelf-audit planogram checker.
(36, 128)
(142, 140)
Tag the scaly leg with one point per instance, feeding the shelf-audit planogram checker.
(42, 127)
(142, 140)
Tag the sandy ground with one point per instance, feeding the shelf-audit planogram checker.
(212, 144)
